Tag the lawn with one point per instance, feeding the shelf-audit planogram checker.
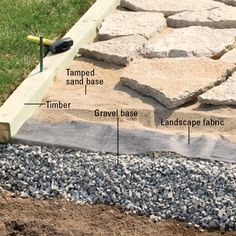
(18, 18)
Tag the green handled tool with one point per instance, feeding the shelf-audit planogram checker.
(58, 46)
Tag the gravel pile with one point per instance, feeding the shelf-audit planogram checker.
(160, 185)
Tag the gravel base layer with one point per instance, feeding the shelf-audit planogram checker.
(160, 185)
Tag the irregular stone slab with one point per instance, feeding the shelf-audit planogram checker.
(174, 82)
(220, 18)
(124, 23)
(228, 2)
(119, 51)
(195, 41)
(230, 56)
(224, 94)
(227, 49)
(169, 7)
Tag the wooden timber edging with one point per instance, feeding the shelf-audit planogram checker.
(14, 112)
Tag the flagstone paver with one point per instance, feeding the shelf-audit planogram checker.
(224, 94)
(195, 41)
(228, 2)
(119, 51)
(124, 23)
(230, 56)
(175, 81)
(221, 18)
(169, 7)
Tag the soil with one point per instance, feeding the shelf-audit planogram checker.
(30, 217)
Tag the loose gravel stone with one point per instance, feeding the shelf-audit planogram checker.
(187, 78)
(224, 94)
(194, 41)
(125, 23)
(119, 51)
(24, 195)
(169, 7)
(221, 18)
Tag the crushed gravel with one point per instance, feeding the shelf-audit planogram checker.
(159, 185)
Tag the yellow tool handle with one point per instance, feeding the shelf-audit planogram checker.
(46, 42)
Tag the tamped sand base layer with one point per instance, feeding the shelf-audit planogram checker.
(112, 95)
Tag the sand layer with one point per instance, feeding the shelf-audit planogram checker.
(113, 95)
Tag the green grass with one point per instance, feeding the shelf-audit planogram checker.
(19, 18)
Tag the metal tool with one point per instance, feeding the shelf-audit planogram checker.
(58, 46)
